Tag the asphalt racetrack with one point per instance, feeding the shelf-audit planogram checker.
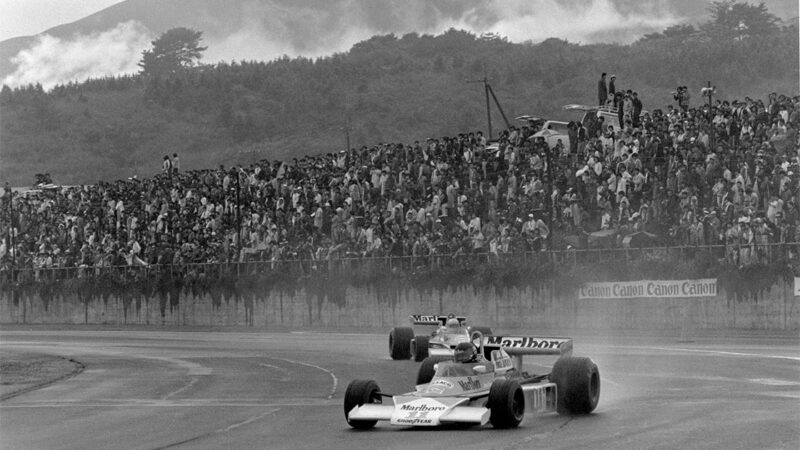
(212, 390)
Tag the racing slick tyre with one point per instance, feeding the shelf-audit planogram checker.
(486, 331)
(358, 393)
(419, 348)
(399, 342)
(426, 369)
(578, 385)
(506, 403)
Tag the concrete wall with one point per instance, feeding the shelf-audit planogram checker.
(359, 307)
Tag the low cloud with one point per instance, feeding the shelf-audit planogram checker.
(273, 28)
(51, 61)
(579, 22)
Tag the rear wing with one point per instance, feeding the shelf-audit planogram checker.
(438, 320)
(529, 345)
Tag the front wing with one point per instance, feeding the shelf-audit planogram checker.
(411, 410)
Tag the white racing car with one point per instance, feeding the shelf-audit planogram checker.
(450, 331)
(484, 383)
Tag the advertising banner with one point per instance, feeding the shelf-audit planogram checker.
(706, 287)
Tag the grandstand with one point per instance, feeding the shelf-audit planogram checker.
(726, 178)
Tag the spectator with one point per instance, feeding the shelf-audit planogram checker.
(612, 89)
(602, 90)
(166, 165)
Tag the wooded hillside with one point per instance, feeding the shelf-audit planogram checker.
(387, 88)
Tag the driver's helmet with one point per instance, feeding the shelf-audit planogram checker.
(465, 352)
(452, 325)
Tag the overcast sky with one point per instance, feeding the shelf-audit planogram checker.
(29, 17)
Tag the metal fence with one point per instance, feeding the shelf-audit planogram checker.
(739, 255)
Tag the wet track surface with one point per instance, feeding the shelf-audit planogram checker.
(209, 390)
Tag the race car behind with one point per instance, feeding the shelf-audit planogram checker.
(449, 332)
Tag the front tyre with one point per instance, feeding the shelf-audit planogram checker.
(419, 348)
(399, 341)
(360, 392)
(578, 385)
(506, 403)
(427, 368)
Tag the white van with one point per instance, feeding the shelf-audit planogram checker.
(551, 130)
(590, 113)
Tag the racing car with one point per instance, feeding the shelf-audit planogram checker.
(450, 331)
(484, 383)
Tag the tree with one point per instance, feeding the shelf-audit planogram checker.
(731, 20)
(42, 178)
(172, 52)
(6, 95)
(680, 31)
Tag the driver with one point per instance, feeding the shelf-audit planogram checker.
(452, 325)
(465, 352)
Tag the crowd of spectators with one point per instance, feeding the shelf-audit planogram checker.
(686, 175)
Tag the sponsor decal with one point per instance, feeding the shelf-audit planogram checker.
(470, 384)
(539, 399)
(426, 319)
(415, 418)
(706, 287)
(442, 382)
(525, 342)
(421, 408)
(502, 363)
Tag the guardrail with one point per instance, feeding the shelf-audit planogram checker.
(740, 255)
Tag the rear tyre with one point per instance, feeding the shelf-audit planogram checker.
(578, 385)
(399, 341)
(486, 331)
(419, 348)
(358, 393)
(426, 369)
(506, 403)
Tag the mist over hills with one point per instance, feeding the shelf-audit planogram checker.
(110, 41)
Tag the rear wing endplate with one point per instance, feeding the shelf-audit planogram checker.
(438, 320)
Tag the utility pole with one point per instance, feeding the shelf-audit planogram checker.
(487, 90)
(346, 130)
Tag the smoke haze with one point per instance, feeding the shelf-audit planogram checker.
(53, 61)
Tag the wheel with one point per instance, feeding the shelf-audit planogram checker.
(419, 348)
(486, 331)
(506, 403)
(578, 385)
(358, 393)
(399, 341)
(426, 370)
